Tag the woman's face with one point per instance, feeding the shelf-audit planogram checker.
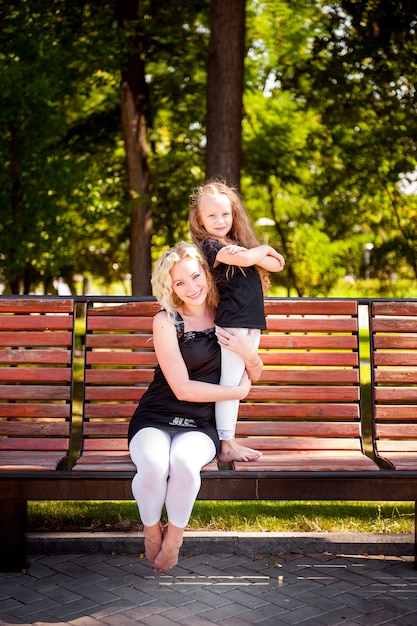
(189, 281)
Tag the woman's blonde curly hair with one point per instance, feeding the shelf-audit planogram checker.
(162, 280)
(242, 232)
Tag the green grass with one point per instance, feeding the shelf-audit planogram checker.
(393, 517)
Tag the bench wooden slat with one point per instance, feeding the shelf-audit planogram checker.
(396, 377)
(35, 338)
(49, 375)
(394, 325)
(105, 465)
(395, 342)
(319, 359)
(392, 360)
(394, 308)
(15, 356)
(29, 460)
(292, 410)
(34, 392)
(19, 323)
(114, 394)
(399, 431)
(298, 429)
(103, 411)
(33, 429)
(311, 324)
(121, 377)
(124, 358)
(126, 341)
(295, 443)
(403, 413)
(36, 411)
(395, 394)
(41, 443)
(304, 393)
(296, 376)
(108, 323)
(146, 307)
(301, 306)
(305, 342)
(24, 305)
(113, 444)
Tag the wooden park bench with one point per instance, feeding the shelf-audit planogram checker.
(305, 413)
(36, 373)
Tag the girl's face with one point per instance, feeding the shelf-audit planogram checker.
(189, 281)
(216, 215)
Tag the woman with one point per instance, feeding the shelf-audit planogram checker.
(172, 433)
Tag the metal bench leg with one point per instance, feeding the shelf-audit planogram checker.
(415, 535)
(13, 556)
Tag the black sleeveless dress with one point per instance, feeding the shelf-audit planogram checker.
(159, 407)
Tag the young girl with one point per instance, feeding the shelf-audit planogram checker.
(222, 229)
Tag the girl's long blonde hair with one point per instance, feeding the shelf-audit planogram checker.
(162, 281)
(242, 232)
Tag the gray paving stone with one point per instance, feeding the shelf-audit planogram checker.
(295, 589)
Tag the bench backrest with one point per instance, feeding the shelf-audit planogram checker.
(393, 333)
(36, 350)
(119, 365)
(303, 414)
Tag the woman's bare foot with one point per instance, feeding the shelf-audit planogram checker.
(171, 544)
(153, 541)
(231, 450)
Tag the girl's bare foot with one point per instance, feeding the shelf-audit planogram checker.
(231, 450)
(153, 541)
(171, 544)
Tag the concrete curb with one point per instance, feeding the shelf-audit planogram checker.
(246, 544)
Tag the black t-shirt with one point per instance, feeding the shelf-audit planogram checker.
(160, 408)
(241, 294)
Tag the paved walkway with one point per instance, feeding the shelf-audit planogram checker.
(205, 589)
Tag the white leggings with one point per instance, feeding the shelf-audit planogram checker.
(233, 367)
(168, 471)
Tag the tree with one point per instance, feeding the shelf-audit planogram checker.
(134, 131)
(51, 66)
(224, 90)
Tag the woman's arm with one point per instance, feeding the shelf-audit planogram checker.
(263, 255)
(242, 345)
(175, 371)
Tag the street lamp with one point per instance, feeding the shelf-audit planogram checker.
(367, 259)
(262, 222)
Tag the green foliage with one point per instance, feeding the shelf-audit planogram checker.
(329, 137)
(55, 72)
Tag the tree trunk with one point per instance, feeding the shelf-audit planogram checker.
(134, 133)
(225, 90)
